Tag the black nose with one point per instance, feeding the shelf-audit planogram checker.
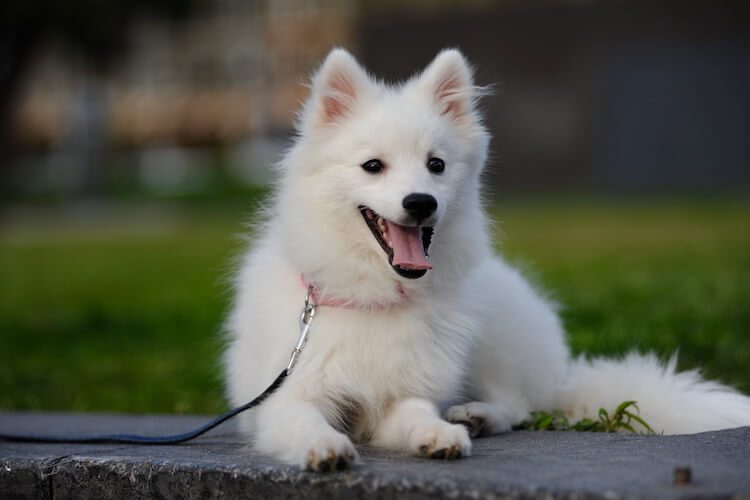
(420, 205)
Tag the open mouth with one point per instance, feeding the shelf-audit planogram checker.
(405, 246)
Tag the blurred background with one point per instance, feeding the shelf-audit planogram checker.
(137, 139)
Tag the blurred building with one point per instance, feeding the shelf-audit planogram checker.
(227, 80)
(236, 69)
(590, 95)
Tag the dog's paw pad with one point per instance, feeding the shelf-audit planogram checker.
(475, 424)
(331, 453)
(450, 453)
(330, 461)
(444, 442)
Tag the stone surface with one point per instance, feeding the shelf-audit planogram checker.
(514, 465)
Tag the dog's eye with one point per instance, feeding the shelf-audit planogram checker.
(436, 165)
(374, 166)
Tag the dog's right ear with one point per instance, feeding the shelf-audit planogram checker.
(449, 78)
(336, 88)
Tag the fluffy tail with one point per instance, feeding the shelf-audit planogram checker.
(670, 402)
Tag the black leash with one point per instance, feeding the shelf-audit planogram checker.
(136, 439)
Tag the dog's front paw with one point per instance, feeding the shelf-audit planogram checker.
(485, 419)
(330, 451)
(441, 440)
(470, 415)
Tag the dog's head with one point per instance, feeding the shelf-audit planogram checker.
(387, 165)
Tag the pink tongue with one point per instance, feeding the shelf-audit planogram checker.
(408, 251)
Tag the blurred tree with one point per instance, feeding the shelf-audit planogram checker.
(95, 30)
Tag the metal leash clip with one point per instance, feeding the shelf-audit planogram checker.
(305, 320)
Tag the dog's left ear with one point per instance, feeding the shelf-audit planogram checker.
(450, 80)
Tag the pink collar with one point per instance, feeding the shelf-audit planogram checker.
(320, 299)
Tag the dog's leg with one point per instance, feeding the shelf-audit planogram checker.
(296, 431)
(488, 418)
(415, 426)
(519, 357)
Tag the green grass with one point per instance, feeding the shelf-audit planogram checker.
(122, 311)
(657, 277)
(626, 417)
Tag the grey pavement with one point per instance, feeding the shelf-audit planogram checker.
(220, 464)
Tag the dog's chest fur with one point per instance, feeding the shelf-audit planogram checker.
(360, 362)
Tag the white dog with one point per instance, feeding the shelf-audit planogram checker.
(378, 211)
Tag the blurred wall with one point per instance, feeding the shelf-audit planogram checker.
(607, 96)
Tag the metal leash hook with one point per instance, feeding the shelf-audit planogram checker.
(305, 320)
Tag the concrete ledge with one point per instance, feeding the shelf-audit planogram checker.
(515, 465)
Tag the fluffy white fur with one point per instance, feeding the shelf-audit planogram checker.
(472, 331)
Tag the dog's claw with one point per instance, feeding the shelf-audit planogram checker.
(324, 466)
(476, 425)
(452, 452)
(443, 442)
(332, 462)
